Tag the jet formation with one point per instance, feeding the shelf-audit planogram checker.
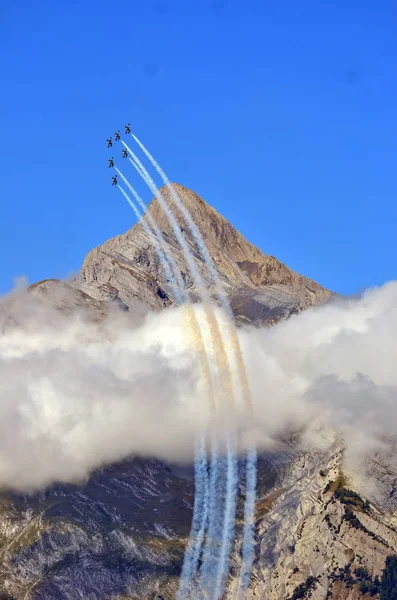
(124, 153)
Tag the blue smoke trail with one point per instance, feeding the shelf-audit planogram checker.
(212, 548)
(201, 503)
(229, 517)
(231, 491)
(249, 521)
(200, 516)
(195, 540)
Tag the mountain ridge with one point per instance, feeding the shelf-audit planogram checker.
(260, 288)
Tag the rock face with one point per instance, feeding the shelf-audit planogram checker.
(123, 531)
(122, 534)
(313, 532)
(65, 297)
(259, 287)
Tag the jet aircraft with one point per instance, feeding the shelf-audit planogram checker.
(110, 143)
(124, 153)
(127, 128)
(117, 135)
(111, 162)
(114, 180)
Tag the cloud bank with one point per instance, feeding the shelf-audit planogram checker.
(76, 394)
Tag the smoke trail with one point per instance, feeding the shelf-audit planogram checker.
(250, 473)
(172, 220)
(176, 274)
(211, 317)
(168, 263)
(138, 214)
(249, 522)
(137, 167)
(212, 549)
(207, 258)
(192, 225)
(205, 494)
(201, 479)
(229, 518)
(165, 263)
(226, 385)
(209, 263)
(201, 493)
(219, 347)
(200, 516)
(223, 490)
(235, 343)
(232, 489)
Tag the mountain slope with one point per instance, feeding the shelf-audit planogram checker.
(316, 529)
(260, 288)
(122, 533)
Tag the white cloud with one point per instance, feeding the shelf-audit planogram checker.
(76, 394)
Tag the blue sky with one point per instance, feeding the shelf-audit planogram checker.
(280, 114)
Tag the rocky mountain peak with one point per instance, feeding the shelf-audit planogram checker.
(260, 287)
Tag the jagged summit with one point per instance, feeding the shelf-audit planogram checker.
(260, 287)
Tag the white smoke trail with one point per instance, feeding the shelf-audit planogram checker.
(212, 320)
(200, 511)
(229, 518)
(172, 220)
(222, 299)
(217, 502)
(191, 224)
(203, 525)
(200, 516)
(219, 353)
(137, 167)
(172, 271)
(175, 274)
(138, 214)
(201, 491)
(202, 502)
(249, 522)
(211, 317)
(207, 258)
(156, 242)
